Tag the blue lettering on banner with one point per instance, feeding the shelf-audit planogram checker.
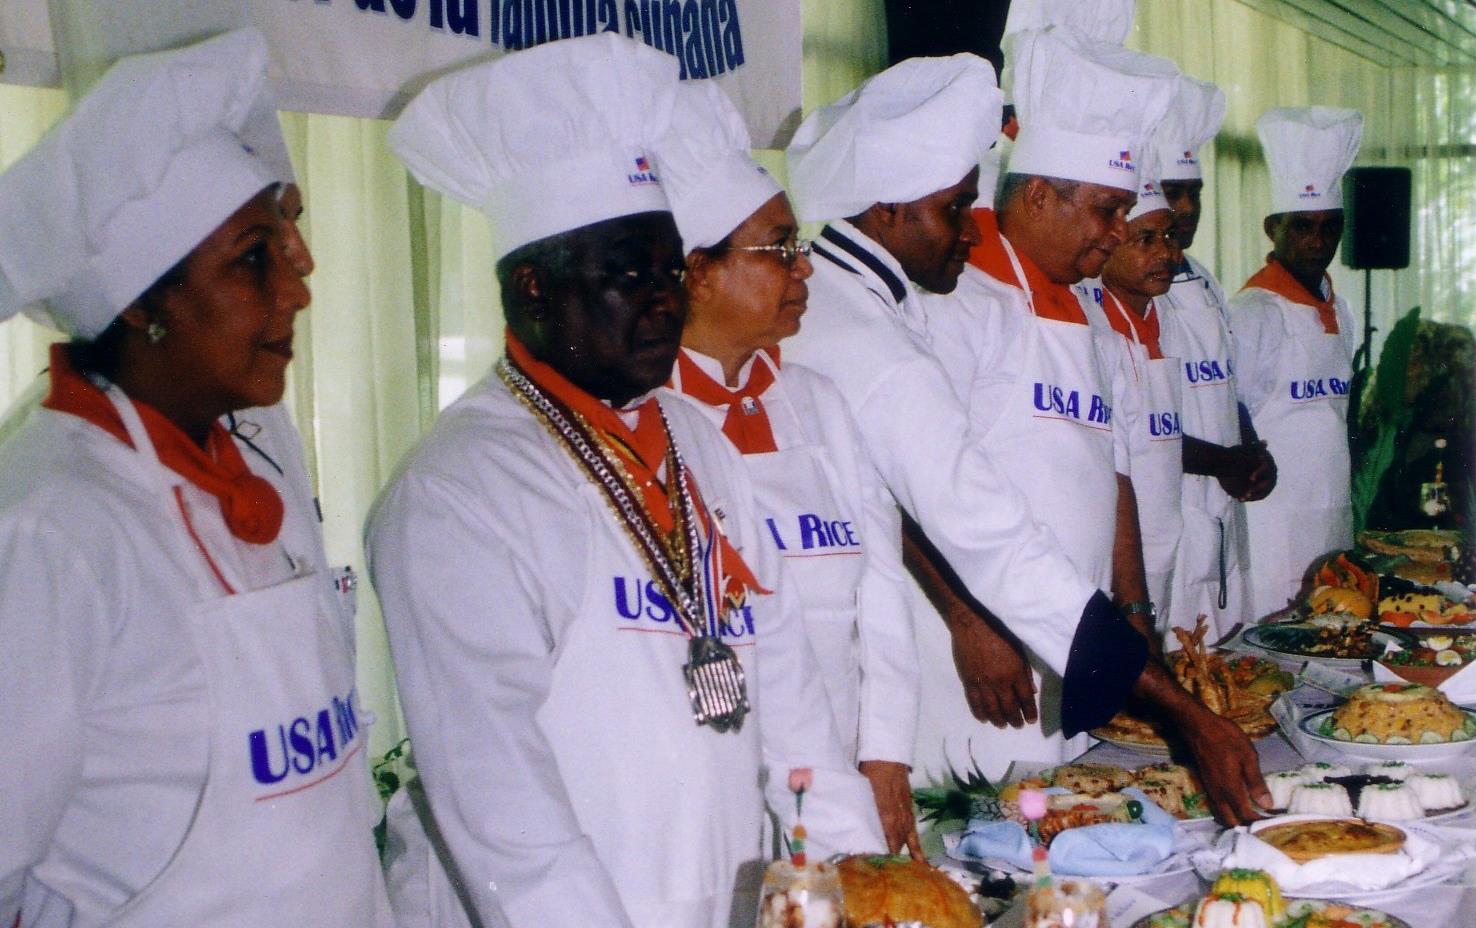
(1164, 425)
(640, 604)
(302, 745)
(1208, 370)
(705, 36)
(816, 533)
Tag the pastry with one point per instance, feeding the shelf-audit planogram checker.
(1092, 779)
(882, 890)
(1320, 799)
(1399, 713)
(1318, 838)
(1437, 792)
(1389, 802)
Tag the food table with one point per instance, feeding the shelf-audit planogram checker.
(1450, 903)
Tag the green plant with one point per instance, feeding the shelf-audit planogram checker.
(1383, 416)
(959, 798)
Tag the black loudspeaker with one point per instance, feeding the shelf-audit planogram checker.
(1376, 218)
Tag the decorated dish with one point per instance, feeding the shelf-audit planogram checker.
(881, 890)
(1318, 838)
(1300, 913)
(1433, 659)
(1239, 688)
(1398, 713)
(1330, 637)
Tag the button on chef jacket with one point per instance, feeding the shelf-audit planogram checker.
(984, 333)
(862, 631)
(101, 697)
(1293, 376)
(866, 330)
(542, 673)
(1195, 328)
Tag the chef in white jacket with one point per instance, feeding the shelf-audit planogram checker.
(1224, 464)
(1294, 341)
(822, 504)
(564, 554)
(1121, 306)
(893, 167)
(176, 667)
(1045, 389)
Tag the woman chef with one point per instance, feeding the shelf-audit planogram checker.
(184, 741)
(823, 506)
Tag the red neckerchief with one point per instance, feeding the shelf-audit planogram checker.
(1052, 300)
(249, 503)
(747, 422)
(1276, 278)
(1129, 324)
(642, 450)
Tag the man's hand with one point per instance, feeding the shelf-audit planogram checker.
(995, 676)
(1227, 762)
(1228, 767)
(1262, 479)
(894, 803)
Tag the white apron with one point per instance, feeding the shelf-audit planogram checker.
(1158, 465)
(282, 831)
(1304, 424)
(820, 539)
(1210, 570)
(1053, 438)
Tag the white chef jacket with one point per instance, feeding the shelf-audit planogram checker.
(1204, 345)
(482, 551)
(1256, 321)
(867, 331)
(806, 408)
(101, 698)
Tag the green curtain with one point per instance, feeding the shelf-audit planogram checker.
(405, 313)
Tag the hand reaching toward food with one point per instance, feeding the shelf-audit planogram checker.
(893, 792)
(1228, 767)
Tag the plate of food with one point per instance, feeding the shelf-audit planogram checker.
(1420, 555)
(1395, 721)
(1251, 899)
(1173, 787)
(865, 891)
(1238, 687)
(1386, 791)
(1418, 607)
(1431, 659)
(1334, 638)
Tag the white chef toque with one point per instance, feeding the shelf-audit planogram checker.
(163, 149)
(1086, 108)
(1193, 119)
(916, 128)
(544, 140)
(1308, 150)
(703, 160)
(1196, 104)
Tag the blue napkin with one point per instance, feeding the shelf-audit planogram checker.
(1114, 849)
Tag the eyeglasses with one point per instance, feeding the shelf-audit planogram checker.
(787, 252)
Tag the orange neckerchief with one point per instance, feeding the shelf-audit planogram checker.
(1127, 323)
(747, 422)
(249, 503)
(642, 449)
(1276, 278)
(1052, 300)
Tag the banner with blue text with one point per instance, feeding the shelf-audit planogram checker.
(368, 57)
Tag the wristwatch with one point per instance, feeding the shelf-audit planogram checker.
(1140, 607)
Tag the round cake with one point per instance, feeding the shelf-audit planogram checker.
(1399, 713)
(1389, 802)
(1437, 792)
(1320, 799)
(1321, 771)
(1229, 911)
(1282, 784)
(1393, 769)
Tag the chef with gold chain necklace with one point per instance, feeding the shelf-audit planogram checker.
(575, 591)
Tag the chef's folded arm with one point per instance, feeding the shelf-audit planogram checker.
(472, 645)
(943, 475)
